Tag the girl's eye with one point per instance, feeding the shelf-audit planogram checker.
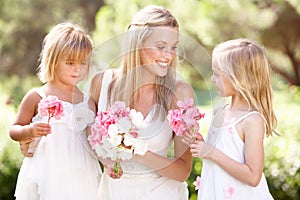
(69, 62)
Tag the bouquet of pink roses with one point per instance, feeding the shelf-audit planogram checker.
(115, 133)
(186, 116)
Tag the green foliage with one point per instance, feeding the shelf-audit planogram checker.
(10, 162)
(16, 87)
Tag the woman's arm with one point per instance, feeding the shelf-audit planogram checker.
(179, 167)
(22, 128)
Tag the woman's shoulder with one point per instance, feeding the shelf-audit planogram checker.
(98, 77)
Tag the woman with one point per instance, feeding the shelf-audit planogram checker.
(146, 81)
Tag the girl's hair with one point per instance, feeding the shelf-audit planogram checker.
(64, 39)
(125, 86)
(245, 65)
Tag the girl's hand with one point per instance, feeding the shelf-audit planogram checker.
(190, 137)
(200, 149)
(40, 129)
(24, 147)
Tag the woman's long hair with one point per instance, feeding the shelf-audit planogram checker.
(126, 84)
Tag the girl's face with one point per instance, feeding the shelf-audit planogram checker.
(159, 50)
(71, 71)
(221, 82)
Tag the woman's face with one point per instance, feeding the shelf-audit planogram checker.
(159, 50)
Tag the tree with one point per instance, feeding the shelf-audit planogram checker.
(284, 37)
(22, 30)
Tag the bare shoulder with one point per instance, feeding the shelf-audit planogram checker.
(92, 105)
(28, 107)
(31, 97)
(254, 123)
(95, 86)
(183, 90)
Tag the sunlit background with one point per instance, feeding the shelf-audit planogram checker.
(203, 24)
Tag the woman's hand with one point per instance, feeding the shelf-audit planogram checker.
(109, 166)
(24, 145)
(111, 172)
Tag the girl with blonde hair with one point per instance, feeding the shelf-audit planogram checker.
(234, 151)
(63, 166)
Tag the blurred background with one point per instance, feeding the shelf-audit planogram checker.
(203, 24)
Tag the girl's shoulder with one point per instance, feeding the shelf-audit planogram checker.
(33, 95)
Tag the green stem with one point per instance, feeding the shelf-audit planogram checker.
(117, 167)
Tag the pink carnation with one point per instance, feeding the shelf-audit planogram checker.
(51, 107)
(186, 116)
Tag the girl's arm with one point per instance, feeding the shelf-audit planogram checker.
(179, 167)
(22, 128)
(250, 172)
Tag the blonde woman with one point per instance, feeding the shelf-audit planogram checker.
(146, 81)
(234, 152)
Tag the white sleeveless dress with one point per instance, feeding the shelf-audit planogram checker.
(139, 182)
(217, 184)
(63, 166)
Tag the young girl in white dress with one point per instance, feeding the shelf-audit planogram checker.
(234, 151)
(63, 166)
(146, 82)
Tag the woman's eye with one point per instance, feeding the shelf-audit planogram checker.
(161, 47)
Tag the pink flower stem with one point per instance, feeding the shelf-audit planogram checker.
(49, 116)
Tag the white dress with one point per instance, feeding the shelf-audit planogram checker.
(217, 184)
(63, 166)
(139, 182)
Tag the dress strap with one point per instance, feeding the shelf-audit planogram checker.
(40, 92)
(107, 78)
(85, 98)
(248, 114)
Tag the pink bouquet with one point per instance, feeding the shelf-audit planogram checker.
(115, 133)
(186, 116)
(51, 107)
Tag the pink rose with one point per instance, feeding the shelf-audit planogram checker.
(51, 107)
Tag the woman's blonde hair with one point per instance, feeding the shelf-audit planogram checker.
(245, 65)
(124, 86)
(64, 39)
